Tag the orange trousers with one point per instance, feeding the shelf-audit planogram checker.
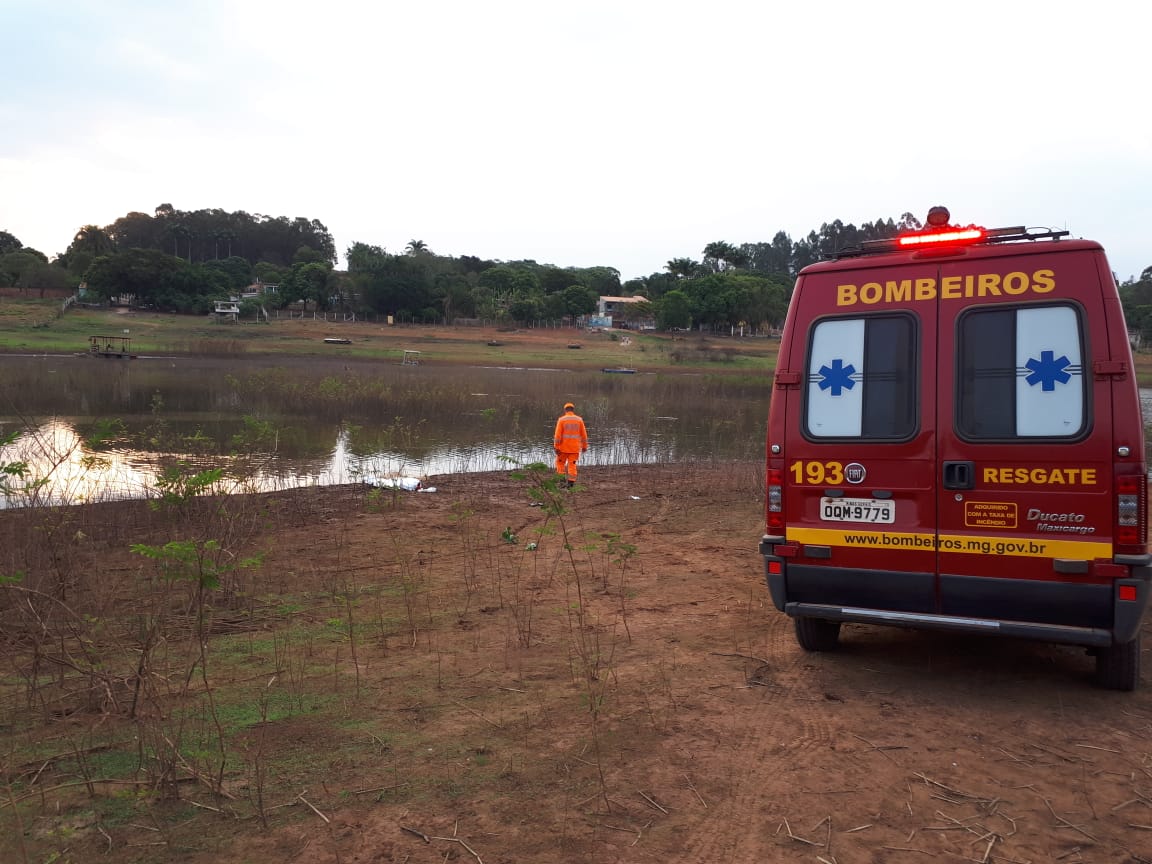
(566, 464)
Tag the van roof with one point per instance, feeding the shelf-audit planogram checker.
(949, 236)
(893, 255)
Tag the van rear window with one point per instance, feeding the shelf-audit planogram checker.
(1021, 373)
(861, 380)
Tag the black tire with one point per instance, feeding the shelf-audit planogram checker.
(1118, 666)
(817, 634)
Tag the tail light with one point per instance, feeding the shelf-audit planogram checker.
(775, 503)
(1131, 529)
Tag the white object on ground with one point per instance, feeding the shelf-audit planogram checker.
(408, 484)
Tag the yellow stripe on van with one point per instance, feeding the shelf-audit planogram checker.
(962, 544)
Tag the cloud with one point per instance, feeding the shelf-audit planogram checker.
(622, 133)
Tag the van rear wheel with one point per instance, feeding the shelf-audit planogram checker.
(817, 634)
(1118, 666)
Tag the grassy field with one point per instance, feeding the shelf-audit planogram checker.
(35, 326)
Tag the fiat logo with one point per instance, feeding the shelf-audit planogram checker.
(855, 473)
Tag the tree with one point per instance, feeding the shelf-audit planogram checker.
(524, 309)
(579, 300)
(718, 255)
(42, 276)
(14, 265)
(505, 282)
(780, 262)
(135, 231)
(653, 286)
(175, 233)
(363, 258)
(396, 285)
(92, 239)
(554, 279)
(604, 281)
(682, 267)
(673, 311)
(9, 243)
(908, 222)
(417, 247)
(308, 255)
(632, 313)
(269, 274)
(139, 273)
(190, 288)
(453, 291)
(225, 237)
(236, 270)
(308, 282)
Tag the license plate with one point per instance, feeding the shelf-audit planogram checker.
(857, 510)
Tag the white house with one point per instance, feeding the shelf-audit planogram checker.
(227, 309)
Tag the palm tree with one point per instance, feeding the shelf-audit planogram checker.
(718, 254)
(93, 239)
(737, 258)
(228, 236)
(417, 247)
(177, 231)
(681, 267)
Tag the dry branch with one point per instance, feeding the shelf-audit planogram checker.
(416, 833)
(1064, 823)
(312, 807)
(379, 789)
(788, 828)
(477, 713)
(651, 801)
(462, 843)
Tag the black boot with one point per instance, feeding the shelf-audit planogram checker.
(571, 483)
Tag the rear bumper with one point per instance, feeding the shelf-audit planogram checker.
(1088, 636)
(1066, 612)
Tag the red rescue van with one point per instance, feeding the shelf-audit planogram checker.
(955, 442)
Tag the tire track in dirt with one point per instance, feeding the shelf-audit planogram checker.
(775, 725)
(776, 736)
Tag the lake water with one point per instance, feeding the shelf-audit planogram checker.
(96, 429)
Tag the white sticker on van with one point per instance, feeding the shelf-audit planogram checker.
(835, 392)
(1049, 391)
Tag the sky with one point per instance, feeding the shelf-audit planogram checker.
(620, 133)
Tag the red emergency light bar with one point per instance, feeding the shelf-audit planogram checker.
(941, 236)
(956, 235)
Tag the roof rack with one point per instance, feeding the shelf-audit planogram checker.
(969, 236)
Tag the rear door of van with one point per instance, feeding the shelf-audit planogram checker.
(860, 432)
(1024, 465)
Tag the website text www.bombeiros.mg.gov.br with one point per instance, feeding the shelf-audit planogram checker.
(964, 544)
(947, 544)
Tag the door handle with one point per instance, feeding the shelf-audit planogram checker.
(959, 475)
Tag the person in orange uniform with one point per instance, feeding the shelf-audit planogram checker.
(570, 440)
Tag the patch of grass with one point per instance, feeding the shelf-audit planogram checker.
(112, 764)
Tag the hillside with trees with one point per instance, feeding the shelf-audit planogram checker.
(182, 261)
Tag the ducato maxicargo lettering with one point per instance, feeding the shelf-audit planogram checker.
(955, 443)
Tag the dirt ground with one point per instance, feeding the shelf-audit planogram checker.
(470, 735)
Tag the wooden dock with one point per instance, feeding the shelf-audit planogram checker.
(118, 347)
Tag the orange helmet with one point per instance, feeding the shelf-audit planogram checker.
(568, 406)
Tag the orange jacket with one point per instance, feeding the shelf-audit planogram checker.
(570, 436)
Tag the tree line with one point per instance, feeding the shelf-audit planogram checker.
(182, 261)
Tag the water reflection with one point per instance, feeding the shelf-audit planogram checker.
(94, 430)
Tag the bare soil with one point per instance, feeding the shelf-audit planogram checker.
(624, 692)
